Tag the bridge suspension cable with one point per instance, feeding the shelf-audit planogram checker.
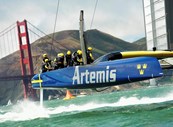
(8, 41)
(33, 31)
(43, 34)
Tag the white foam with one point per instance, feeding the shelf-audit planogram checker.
(121, 102)
(9, 103)
(24, 111)
(29, 110)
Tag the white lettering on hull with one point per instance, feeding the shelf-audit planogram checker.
(89, 77)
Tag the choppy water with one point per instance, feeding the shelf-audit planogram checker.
(149, 107)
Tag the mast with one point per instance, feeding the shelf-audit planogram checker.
(81, 34)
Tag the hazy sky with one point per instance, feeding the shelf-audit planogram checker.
(120, 18)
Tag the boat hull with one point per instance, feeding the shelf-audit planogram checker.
(102, 74)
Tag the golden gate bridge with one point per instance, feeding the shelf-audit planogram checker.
(17, 38)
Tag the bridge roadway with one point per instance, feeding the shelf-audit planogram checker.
(20, 77)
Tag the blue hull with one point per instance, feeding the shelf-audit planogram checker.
(102, 74)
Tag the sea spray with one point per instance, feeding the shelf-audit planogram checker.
(31, 111)
(25, 110)
(123, 101)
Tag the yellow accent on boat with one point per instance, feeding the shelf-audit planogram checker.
(36, 81)
(157, 54)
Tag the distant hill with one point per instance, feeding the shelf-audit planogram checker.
(65, 40)
(141, 42)
(69, 40)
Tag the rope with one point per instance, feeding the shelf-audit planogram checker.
(57, 10)
(39, 82)
(93, 14)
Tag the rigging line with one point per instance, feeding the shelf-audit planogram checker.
(94, 14)
(57, 10)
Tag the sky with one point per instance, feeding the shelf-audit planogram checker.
(119, 18)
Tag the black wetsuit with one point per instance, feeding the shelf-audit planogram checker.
(69, 61)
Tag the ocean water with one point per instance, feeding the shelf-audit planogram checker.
(144, 107)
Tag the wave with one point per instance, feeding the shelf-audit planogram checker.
(25, 110)
(28, 110)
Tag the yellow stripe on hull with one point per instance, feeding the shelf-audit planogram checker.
(157, 54)
(37, 81)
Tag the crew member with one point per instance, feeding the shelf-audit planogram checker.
(79, 58)
(59, 61)
(90, 57)
(46, 57)
(68, 58)
(74, 58)
(46, 66)
(55, 64)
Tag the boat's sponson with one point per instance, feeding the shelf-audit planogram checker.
(102, 74)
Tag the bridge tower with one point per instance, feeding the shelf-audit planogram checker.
(25, 59)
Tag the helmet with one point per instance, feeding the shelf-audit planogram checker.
(79, 52)
(60, 55)
(68, 52)
(46, 60)
(44, 55)
(89, 48)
